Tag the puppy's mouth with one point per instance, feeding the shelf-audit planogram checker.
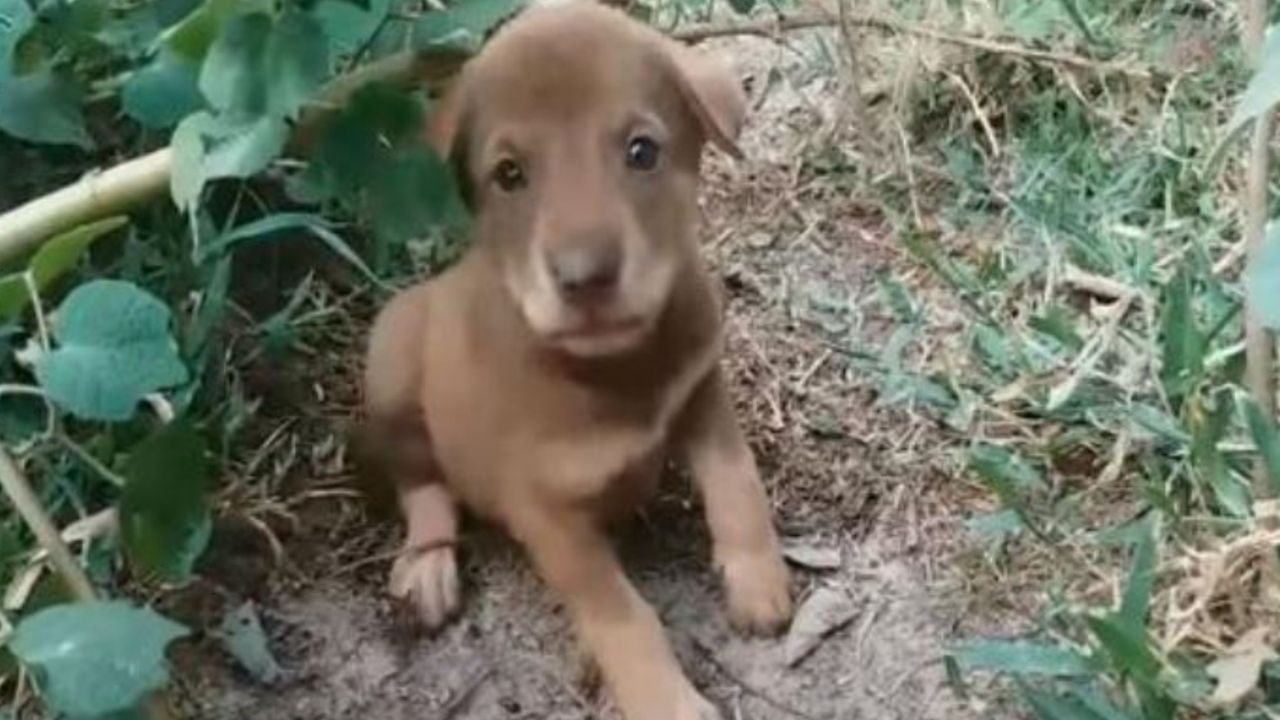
(600, 336)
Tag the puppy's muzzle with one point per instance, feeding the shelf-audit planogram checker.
(586, 271)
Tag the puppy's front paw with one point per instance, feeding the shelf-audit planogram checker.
(759, 590)
(428, 581)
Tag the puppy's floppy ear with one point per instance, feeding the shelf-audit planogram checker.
(446, 134)
(713, 93)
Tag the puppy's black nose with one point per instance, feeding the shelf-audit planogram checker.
(587, 271)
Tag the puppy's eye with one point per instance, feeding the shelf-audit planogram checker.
(642, 153)
(509, 175)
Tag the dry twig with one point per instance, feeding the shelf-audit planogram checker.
(771, 27)
(33, 513)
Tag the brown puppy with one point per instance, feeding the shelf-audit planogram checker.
(543, 380)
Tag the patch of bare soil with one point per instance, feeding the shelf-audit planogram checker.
(797, 255)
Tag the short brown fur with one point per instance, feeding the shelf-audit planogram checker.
(548, 410)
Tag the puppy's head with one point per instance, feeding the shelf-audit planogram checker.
(578, 132)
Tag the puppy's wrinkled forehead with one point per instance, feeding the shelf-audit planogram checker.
(565, 64)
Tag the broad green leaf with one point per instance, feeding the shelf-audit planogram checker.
(22, 417)
(241, 634)
(1129, 649)
(232, 77)
(1023, 658)
(1263, 91)
(414, 193)
(164, 92)
(463, 25)
(1263, 430)
(348, 25)
(1262, 279)
(113, 348)
(206, 148)
(164, 509)
(41, 106)
(372, 159)
(55, 258)
(96, 659)
(258, 66)
(742, 7)
(1182, 344)
(1137, 594)
(192, 37)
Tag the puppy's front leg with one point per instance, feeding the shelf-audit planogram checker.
(618, 628)
(745, 544)
(426, 571)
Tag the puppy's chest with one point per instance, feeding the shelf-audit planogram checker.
(493, 435)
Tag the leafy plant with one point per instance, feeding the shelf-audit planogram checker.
(119, 339)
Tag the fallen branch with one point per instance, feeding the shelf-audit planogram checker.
(772, 27)
(134, 182)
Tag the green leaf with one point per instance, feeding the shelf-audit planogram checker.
(1057, 324)
(1208, 418)
(266, 226)
(1137, 594)
(348, 25)
(1263, 430)
(206, 148)
(1263, 91)
(1023, 658)
(996, 525)
(96, 659)
(113, 348)
(260, 67)
(1160, 423)
(164, 509)
(1182, 343)
(41, 106)
(242, 635)
(192, 37)
(742, 7)
(1262, 278)
(898, 298)
(1051, 706)
(55, 258)
(1004, 467)
(232, 77)
(1127, 647)
(164, 92)
(463, 25)
(371, 158)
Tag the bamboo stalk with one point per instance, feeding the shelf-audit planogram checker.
(1259, 342)
(140, 180)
